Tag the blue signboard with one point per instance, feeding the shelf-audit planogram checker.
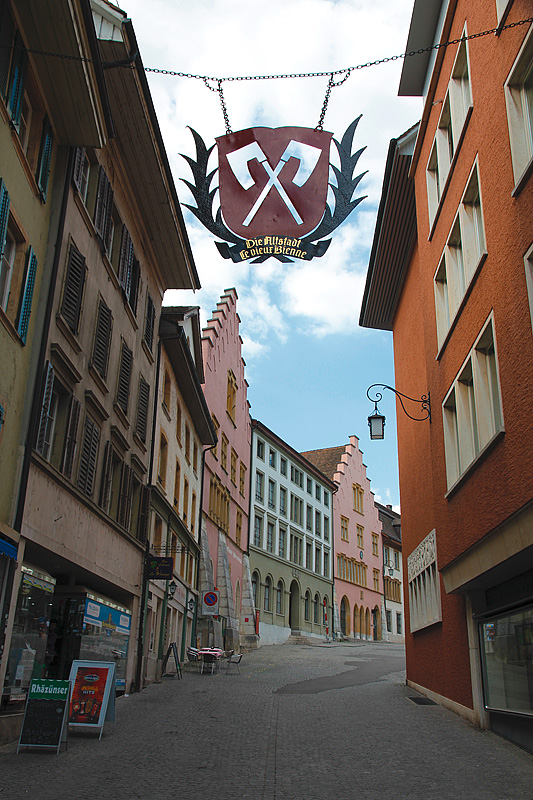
(107, 618)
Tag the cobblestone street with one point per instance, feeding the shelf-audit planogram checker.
(298, 723)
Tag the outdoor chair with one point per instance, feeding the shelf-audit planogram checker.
(236, 660)
(209, 660)
(193, 658)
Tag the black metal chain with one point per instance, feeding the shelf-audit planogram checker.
(220, 92)
(331, 84)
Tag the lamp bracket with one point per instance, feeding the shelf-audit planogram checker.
(424, 400)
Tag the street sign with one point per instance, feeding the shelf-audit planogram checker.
(210, 601)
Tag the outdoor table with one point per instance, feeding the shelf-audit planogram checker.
(211, 651)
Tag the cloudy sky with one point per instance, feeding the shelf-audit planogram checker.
(308, 362)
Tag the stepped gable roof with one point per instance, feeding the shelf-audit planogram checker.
(327, 459)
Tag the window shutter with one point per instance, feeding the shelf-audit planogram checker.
(102, 339)
(124, 377)
(88, 457)
(7, 32)
(73, 291)
(18, 75)
(149, 323)
(134, 288)
(79, 160)
(125, 261)
(27, 295)
(70, 439)
(125, 490)
(142, 410)
(144, 514)
(45, 407)
(106, 477)
(104, 208)
(45, 158)
(4, 215)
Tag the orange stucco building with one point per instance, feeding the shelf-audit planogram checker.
(451, 275)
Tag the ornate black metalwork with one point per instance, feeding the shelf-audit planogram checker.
(424, 400)
(315, 243)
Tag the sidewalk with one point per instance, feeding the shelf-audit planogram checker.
(299, 723)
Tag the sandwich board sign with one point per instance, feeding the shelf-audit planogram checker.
(93, 695)
(45, 715)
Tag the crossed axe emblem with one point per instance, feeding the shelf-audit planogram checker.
(306, 154)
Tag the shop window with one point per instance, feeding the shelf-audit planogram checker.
(506, 642)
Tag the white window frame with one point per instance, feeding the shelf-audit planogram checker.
(520, 113)
(461, 258)
(528, 264)
(472, 409)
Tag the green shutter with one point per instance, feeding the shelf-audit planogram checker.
(19, 64)
(4, 215)
(27, 295)
(45, 158)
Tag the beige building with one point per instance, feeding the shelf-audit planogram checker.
(119, 242)
(183, 429)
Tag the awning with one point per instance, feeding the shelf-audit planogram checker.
(8, 549)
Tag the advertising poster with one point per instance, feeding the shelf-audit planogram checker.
(93, 683)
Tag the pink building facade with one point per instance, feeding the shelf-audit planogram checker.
(224, 564)
(358, 558)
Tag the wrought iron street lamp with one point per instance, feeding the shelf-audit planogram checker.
(376, 420)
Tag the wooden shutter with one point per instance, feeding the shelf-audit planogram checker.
(142, 410)
(79, 161)
(124, 512)
(45, 407)
(108, 219)
(7, 32)
(45, 158)
(88, 457)
(102, 339)
(124, 377)
(149, 322)
(73, 291)
(144, 514)
(69, 450)
(104, 208)
(134, 288)
(4, 215)
(27, 295)
(18, 75)
(125, 261)
(107, 472)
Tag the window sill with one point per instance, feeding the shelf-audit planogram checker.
(98, 380)
(67, 333)
(121, 415)
(131, 315)
(166, 411)
(523, 179)
(148, 352)
(10, 328)
(231, 419)
(139, 442)
(462, 304)
(498, 436)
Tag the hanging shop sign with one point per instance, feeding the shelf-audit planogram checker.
(93, 694)
(273, 186)
(160, 568)
(45, 714)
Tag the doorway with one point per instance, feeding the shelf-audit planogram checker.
(294, 607)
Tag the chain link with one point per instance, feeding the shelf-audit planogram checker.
(220, 93)
(331, 84)
(329, 73)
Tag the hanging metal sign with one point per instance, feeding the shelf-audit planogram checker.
(273, 191)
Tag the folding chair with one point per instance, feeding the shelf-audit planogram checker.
(234, 659)
(209, 660)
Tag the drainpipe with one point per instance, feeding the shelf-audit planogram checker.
(195, 617)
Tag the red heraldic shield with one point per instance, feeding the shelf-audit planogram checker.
(273, 181)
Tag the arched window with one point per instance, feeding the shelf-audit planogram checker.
(345, 616)
(268, 588)
(255, 583)
(307, 605)
(316, 604)
(325, 604)
(279, 598)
